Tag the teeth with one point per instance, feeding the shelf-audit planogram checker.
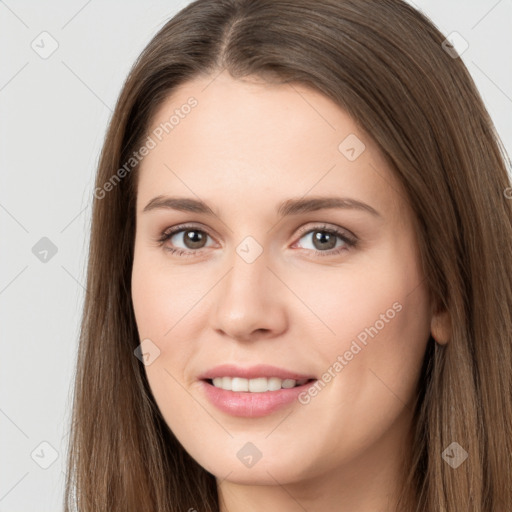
(225, 383)
(238, 384)
(258, 385)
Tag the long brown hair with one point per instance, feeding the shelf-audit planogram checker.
(384, 63)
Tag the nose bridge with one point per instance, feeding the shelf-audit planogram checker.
(245, 300)
(248, 277)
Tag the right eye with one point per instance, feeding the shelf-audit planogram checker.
(191, 238)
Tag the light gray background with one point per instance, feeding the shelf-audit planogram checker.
(53, 117)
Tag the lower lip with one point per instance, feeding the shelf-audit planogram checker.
(252, 405)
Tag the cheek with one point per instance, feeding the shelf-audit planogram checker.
(385, 331)
(379, 299)
(167, 302)
(144, 295)
(163, 297)
(371, 366)
(159, 302)
(378, 314)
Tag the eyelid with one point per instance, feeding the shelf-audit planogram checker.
(173, 230)
(321, 226)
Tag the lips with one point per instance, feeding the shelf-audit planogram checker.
(253, 391)
(254, 372)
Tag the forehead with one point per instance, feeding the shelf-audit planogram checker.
(247, 138)
(251, 114)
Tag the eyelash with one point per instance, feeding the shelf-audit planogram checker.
(349, 242)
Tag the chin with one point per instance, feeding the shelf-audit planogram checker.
(265, 471)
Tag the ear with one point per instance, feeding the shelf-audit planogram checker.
(440, 327)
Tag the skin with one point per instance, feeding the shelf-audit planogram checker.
(246, 147)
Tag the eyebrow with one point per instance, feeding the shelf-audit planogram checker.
(286, 208)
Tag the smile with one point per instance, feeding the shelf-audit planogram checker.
(262, 401)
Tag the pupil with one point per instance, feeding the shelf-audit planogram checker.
(194, 239)
(321, 236)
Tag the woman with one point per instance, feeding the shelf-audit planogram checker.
(212, 373)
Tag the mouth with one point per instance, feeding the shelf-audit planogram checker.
(256, 397)
(253, 391)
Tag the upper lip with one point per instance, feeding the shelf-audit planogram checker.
(252, 372)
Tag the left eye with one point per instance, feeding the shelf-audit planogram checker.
(326, 240)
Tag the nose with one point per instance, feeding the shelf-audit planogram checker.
(250, 301)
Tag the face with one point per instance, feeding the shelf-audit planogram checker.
(303, 258)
